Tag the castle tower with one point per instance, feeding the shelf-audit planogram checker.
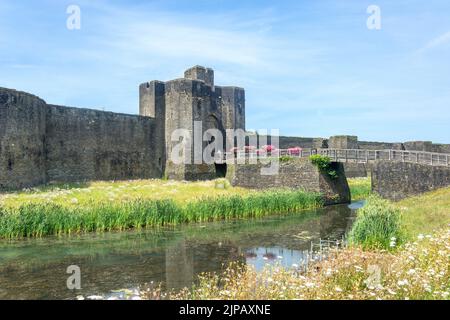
(152, 104)
(188, 103)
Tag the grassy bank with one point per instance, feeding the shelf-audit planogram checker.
(78, 195)
(427, 213)
(76, 210)
(420, 215)
(360, 188)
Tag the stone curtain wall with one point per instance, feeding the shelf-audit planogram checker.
(22, 136)
(399, 180)
(85, 144)
(296, 174)
(42, 143)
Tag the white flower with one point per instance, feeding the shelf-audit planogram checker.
(338, 289)
(420, 237)
(411, 271)
(391, 292)
(402, 282)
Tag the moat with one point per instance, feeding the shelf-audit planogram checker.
(36, 268)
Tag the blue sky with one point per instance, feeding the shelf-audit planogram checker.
(310, 68)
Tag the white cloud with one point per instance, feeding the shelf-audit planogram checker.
(436, 42)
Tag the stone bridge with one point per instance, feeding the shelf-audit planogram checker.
(354, 155)
(396, 174)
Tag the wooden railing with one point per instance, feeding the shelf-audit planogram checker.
(351, 155)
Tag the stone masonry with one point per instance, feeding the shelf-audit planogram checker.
(295, 174)
(399, 180)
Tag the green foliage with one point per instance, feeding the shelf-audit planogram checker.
(324, 165)
(39, 219)
(378, 225)
(286, 158)
(360, 188)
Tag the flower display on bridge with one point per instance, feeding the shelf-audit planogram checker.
(295, 151)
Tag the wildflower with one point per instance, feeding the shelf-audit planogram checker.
(402, 282)
(390, 291)
(411, 271)
(338, 289)
(420, 237)
(74, 201)
(358, 269)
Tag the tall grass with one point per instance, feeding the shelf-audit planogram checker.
(378, 225)
(40, 219)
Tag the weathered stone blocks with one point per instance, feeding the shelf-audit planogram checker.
(294, 174)
(22, 139)
(399, 180)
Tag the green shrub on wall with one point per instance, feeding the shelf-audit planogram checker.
(324, 165)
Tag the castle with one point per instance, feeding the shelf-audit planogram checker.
(42, 143)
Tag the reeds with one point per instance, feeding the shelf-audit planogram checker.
(47, 218)
(378, 225)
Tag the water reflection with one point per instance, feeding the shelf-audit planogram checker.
(36, 268)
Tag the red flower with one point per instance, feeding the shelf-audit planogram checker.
(294, 151)
(269, 148)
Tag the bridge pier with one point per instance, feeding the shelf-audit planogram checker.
(297, 173)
